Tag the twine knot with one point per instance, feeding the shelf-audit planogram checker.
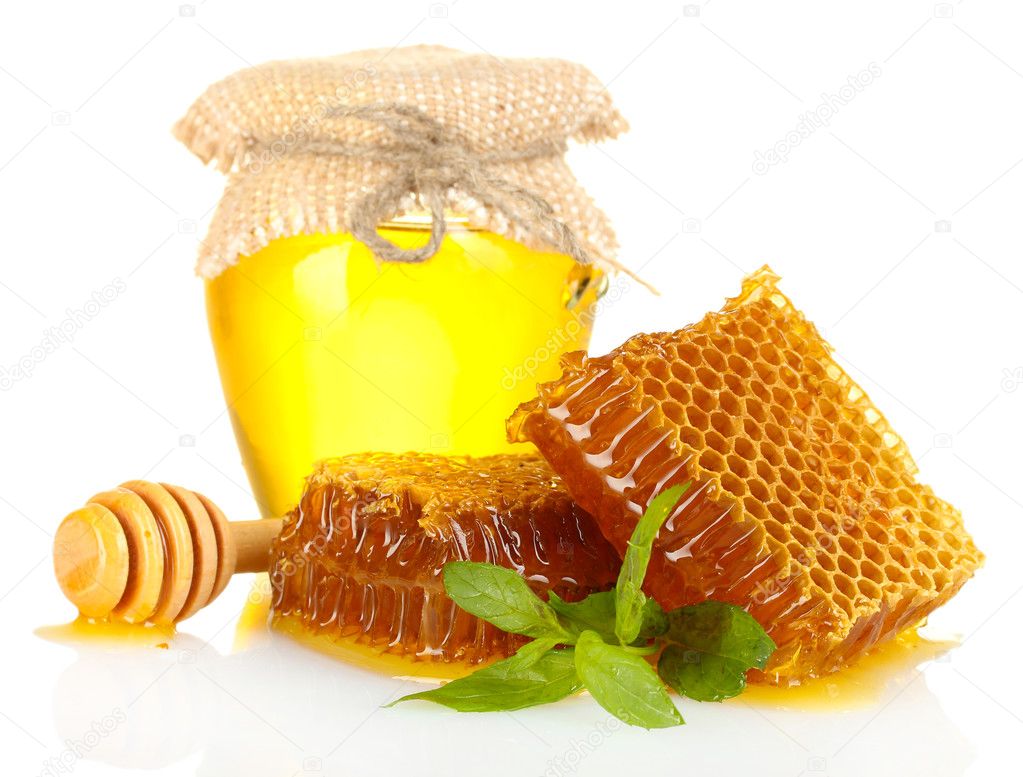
(431, 159)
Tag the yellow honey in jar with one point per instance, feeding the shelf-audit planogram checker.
(323, 350)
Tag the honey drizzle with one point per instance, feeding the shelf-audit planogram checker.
(861, 685)
(107, 632)
(823, 535)
(361, 557)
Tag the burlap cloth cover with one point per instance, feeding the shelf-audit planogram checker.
(263, 126)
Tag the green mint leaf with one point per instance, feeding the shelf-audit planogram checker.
(701, 676)
(629, 598)
(715, 644)
(623, 683)
(502, 597)
(655, 621)
(597, 613)
(531, 653)
(594, 613)
(508, 684)
(721, 629)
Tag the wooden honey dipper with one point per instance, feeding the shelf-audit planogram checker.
(153, 552)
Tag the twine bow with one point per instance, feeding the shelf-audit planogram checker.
(430, 160)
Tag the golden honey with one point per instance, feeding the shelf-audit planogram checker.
(805, 508)
(99, 631)
(359, 562)
(324, 351)
(254, 626)
(865, 683)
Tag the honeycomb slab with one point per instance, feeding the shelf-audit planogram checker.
(360, 557)
(805, 508)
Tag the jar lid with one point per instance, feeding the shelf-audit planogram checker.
(340, 144)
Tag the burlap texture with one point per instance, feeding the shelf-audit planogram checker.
(255, 126)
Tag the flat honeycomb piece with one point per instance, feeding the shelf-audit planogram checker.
(805, 508)
(361, 556)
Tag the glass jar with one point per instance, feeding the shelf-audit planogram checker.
(323, 350)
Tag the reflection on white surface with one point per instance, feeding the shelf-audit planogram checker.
(278, 708)
(263, 711)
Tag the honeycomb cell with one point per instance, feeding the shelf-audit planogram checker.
(766, 373)
(730, 481)
(774, 433)
(704, 399)
(739, 367)
(746, 349)
(660, 372)
(754, 408)
(361, 556)
(874, 554)
(784, 496)
(683, 372)
(655, 388)
(871, 571)
(738, 466)
(680, 391)
(743, 447)
(722, 422)
(675, 411)
(805, 510)
(716, 441)
(789, 377)
(698, 419)
(714, 360)
(709, 378)
(752, 330)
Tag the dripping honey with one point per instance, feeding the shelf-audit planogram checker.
(363, 554)
(862, 684)
(254, 625)
(805, 508)
(889, 665)
(324, 351)
(91, 630)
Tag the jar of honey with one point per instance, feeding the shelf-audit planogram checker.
(324, 351)
(401, 251)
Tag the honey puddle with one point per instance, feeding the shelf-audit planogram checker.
(864, 684)
(84, 629)
(891, 665)
(254, 625)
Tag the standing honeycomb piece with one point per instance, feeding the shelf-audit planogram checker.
(805, 507)
(361, 556)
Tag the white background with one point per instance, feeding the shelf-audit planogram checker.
(929, 318)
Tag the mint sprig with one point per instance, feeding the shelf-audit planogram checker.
(502, 597)
(597, 613)
(629, 597)
(512, 684)
(623, 683)
(603, 642)
(712, 645)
